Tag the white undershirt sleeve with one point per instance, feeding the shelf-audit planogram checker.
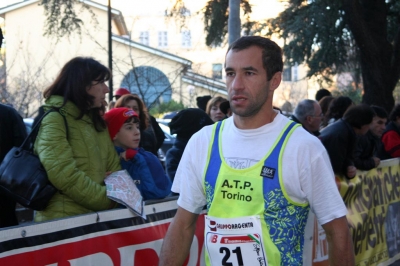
(320, 188)
(188, 180)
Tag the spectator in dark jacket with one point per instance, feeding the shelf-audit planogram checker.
(339, 138)
(12, 133)
(391, 136)
(184, 125)
(368, 145)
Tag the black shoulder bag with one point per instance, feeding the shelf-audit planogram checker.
(22, 176)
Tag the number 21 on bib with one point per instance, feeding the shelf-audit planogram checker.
(234, 241)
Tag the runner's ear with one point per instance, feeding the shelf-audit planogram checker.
(275, 81)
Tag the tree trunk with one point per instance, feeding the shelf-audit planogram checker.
(380, 62)
(378, 88)
(234, 25)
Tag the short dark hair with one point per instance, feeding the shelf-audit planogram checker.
(132, 119)
(394, 113)
(379, 111)
(321, 93)
(271, 55)
(359, 115)
(72, 83)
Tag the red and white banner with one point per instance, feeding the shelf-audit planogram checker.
(104, 239)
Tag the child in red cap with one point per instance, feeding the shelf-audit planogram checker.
(144, 167)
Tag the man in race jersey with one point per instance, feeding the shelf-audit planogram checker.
(258, 173)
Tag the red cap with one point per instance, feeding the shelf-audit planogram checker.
(116, 117)
(121, 91)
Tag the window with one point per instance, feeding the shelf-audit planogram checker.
(184, 11)
(291, 73)
(162, 39)
(295, 70)
(144, 37)
(186, 39)
(217, 71)
(149, 82)
(287, 74)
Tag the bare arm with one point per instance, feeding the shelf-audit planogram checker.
(341, 251)
(178, 239)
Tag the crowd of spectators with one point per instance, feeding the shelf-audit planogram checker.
(355, 137)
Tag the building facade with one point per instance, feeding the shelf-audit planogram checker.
(32, 60)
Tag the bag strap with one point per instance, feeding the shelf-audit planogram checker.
(37, 126)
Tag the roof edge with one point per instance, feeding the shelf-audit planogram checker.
(116, 14)
(152, 50)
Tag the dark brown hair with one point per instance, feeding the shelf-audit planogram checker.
(359, 115)
(271, 54)
(338, 107)
(132, 119)
(394, 113)
(324, 103)
(72, 83)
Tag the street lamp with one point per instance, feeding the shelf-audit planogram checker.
(110, 82)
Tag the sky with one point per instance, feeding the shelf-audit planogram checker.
(261, 8)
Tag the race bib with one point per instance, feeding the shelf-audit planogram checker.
(234, 241)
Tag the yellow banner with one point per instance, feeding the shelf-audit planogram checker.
(373, 202)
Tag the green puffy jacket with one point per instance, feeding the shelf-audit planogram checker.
(77, 166)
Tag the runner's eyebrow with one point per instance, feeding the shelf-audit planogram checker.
(244, 68)
(250, 68)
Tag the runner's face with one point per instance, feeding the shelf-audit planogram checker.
(246, 81)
